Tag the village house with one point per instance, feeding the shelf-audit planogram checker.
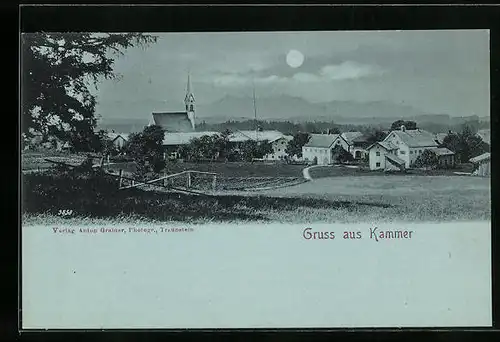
(118, 139)
(320, 147)
(355, 143)
(401, 148)
(482, 165)
(446, 158)
(383, 156)
(278, 141)
(279, 146)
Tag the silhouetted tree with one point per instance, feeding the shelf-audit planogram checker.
(294, 147)
(146, 149)
(396, 125)
(58, 69)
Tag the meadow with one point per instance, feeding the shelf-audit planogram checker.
(334, 199)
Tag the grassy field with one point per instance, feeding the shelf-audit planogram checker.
(342, 170)
(232, 169)
(408, 197)
(335, 199)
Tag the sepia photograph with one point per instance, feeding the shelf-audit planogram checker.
(303, 179)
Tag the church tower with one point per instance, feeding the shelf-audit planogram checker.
(189, 102)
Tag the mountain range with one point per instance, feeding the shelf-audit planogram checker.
(295, 109)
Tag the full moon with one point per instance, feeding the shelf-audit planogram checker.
(294, 58)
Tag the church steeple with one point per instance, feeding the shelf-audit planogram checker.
(189, 101)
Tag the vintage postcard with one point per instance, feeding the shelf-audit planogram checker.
(256, 180)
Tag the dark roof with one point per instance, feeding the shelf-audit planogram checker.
(351, 137)
(321, 140)
(442, 151)
(173, 121)
(386, 145)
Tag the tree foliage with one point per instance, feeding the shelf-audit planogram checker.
(341, 155)
(57, 72)
(466, 144)
(396, 125)
(146, 149)
(374, 135)
(207, 147)
(251, 149)
(294, 147)
(427, 159)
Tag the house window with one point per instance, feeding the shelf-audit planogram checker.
(402, 152)
(411, 152)
(419, 151)
(378, 155)
(377, 164)
(279, 149)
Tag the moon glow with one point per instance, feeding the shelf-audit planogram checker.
(294, 58)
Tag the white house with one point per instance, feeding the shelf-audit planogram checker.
(401, 145)
(383, 156)
(279, 146)
(482, 164)
(320, 146)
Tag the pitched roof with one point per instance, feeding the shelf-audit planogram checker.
(385, 144)
(113, 136)
(240, 136)
(351, 137)
(416, 138)
(483, 157)
(485, 135)
(174, 121)
(394, 158)
(442, 151)
(176, 138)
(321, 140)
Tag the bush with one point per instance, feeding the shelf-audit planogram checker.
(427, 159)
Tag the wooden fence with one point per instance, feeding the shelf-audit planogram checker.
(165, 180)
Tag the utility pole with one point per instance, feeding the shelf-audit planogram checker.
(255, 111)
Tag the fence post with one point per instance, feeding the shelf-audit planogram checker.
(121, 179)
(102, 161)
(188, 179)
(108, 158)
(214, 182)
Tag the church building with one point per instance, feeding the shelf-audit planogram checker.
(181, 121)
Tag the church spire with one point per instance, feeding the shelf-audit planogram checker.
(189, 101)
